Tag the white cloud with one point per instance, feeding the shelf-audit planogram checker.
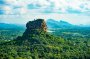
(71, 10)
(48, 6)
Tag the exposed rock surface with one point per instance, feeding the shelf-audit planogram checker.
(32, 26)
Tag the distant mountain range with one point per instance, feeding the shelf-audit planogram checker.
(59, 24)
(11, 26)
(51, 23)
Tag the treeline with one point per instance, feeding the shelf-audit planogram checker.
(44, 46)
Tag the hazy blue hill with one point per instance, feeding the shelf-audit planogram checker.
(64, 23)
(81, 25)
(52, 23)
(11, 26)
(59, 24)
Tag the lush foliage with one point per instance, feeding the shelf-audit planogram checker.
(42, 45)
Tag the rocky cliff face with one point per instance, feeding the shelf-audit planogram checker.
(36, 25)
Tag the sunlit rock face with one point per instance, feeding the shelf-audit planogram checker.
(36, 25)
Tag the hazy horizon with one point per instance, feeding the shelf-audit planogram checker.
(21, 11)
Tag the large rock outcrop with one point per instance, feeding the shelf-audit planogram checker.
(36, 25)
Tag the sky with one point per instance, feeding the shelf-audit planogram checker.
(22, 11)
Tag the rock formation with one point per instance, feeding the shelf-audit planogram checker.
(32, 26)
